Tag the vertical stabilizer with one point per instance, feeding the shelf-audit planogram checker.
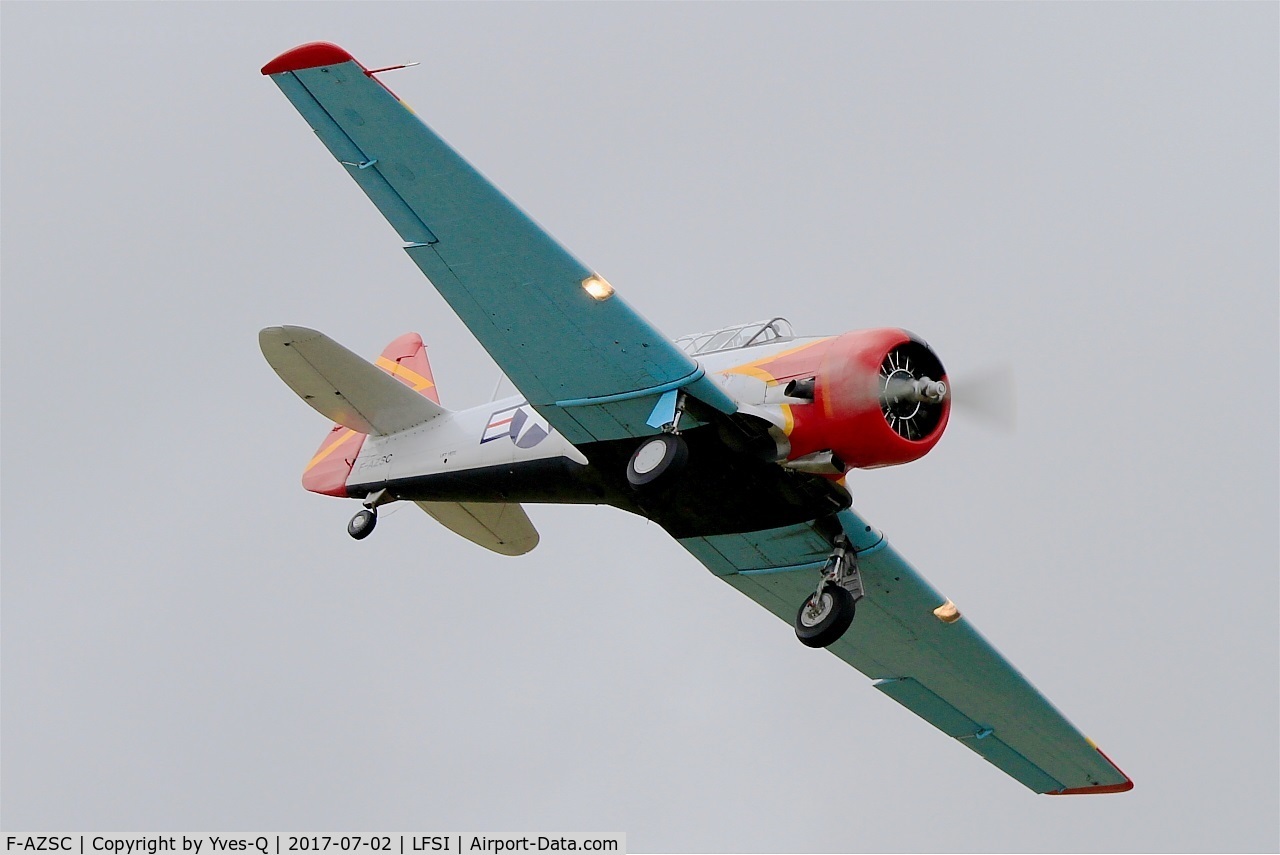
(406, 360)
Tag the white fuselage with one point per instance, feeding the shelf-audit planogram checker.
(509, 430)
(498, 433)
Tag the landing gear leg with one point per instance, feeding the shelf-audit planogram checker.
(361, 525)
(827, 614)
(664, 453)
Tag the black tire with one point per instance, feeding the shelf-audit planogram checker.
(647, 465)
(361, 525)
(831, 620)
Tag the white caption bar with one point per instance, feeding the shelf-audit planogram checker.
(276, 843)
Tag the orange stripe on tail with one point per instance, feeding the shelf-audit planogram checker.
(327, 472)
(406, 360)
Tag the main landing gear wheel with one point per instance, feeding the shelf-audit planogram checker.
(825, 616)
(361, 525)
(655, 457)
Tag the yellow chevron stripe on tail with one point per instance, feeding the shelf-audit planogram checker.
(406, 360)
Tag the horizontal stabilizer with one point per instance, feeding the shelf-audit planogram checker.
(503, 528)
(340, 385)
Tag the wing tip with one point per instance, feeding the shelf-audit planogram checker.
(310, 55)
(1102, 789)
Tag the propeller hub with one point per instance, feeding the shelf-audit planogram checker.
(910, 399)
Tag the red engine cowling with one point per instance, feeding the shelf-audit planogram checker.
(860, 410)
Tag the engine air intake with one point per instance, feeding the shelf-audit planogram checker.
(911, 393)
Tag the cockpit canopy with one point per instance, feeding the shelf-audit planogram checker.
(736, 337)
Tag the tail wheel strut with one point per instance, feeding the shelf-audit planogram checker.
(361, 525)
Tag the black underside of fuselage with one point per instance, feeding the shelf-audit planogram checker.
(719, 490)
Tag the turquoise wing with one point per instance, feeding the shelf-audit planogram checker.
(590, 364)
(943, 671)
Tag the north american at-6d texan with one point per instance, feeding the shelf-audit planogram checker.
(737, 442)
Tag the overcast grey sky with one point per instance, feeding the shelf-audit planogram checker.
(191, 641)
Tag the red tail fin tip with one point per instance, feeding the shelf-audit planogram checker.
(406, 360)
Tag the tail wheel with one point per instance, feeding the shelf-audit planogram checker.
(361, 525)
(825, 616)
(655, 457)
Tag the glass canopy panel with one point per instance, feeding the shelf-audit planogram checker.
(736, 337)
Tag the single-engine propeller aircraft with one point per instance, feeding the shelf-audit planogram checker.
(737, 442)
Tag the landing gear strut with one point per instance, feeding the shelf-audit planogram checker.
(829, 611)
(667, 451)
(361, 525)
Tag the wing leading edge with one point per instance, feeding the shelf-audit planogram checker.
(944, 672)
(593, 367)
